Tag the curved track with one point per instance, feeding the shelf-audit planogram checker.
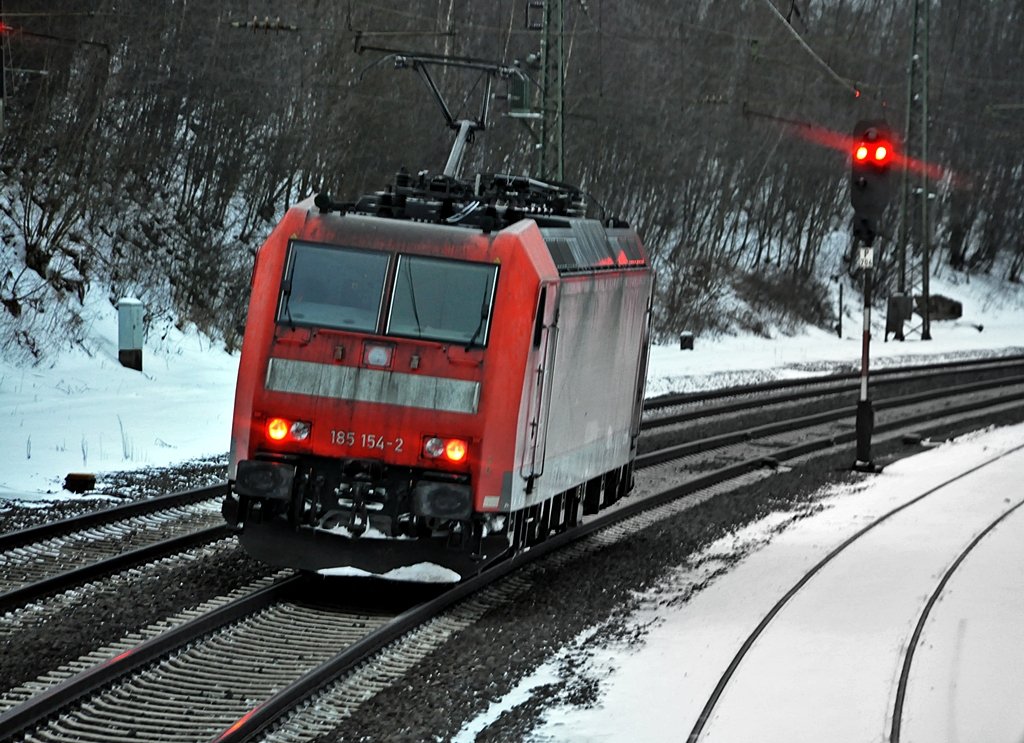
(908, 658)
(733, 667)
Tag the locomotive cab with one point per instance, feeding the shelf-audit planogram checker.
(364, 425)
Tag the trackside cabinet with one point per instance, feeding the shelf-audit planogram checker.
(130, 332)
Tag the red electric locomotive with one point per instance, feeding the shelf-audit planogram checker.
(440, 373)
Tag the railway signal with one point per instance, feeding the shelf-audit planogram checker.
(870, 191)
(872, 156)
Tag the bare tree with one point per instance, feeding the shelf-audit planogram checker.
(164, 142)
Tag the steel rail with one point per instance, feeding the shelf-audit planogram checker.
(105, 515)
(62, 581)
(259, 718)
(48, 703)
(683, 398)
(265, 713)
(831, 386)
(792, 424)
(730, 671)
(908, 658)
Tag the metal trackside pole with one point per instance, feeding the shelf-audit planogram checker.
(865, 410)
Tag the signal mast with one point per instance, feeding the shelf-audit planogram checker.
(870, 190)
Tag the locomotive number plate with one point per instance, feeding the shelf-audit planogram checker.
(366, 440)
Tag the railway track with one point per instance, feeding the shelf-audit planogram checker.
(1005, 509)
(670, 410)
(263, 686)
(893, 412)
(228, 668)
(52, 557)
(908, 657)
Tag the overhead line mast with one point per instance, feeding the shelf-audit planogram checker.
(915, 220)
(5, 50)
(551, 159)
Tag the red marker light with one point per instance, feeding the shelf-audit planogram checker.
(277, 429)
(455, 450)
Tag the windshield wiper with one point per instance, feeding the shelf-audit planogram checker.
(286, 290)
(479, 328)
(412, 300)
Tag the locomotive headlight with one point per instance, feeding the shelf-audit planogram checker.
(378, 354)
(433, 447)
(300, 430)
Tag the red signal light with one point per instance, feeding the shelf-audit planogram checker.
(880, 153)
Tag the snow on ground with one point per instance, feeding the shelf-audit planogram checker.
(951, 682)
(745, 360)
(828, 665)
(84, 412)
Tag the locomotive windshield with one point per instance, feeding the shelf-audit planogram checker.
(333, 287)
(330, 286)
(443, 300)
